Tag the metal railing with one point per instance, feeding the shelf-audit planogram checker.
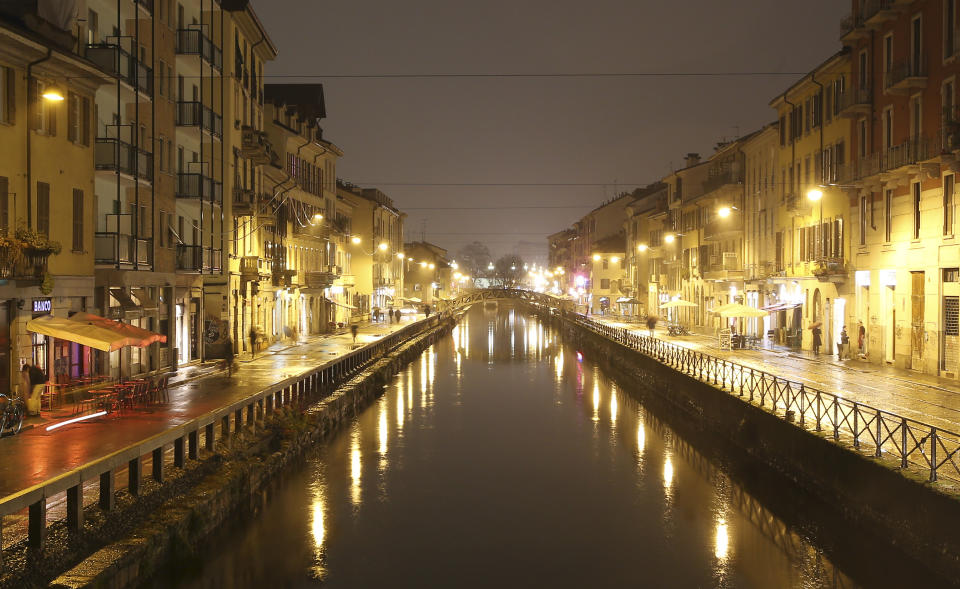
(197, 114)
(184, 440)
(194, 42)
(916, 445)
(115, 60)
(119, 156)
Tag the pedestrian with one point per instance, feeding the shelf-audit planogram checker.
(253, 342)
(844, 343)
(228, 357)
(816, 339)
(861, 338)
(651, 324)
(35, 383)
(353, 331)
(397, 313)
(376, 313)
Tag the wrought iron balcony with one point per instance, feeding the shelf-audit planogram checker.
(320, 279)
(119, 156)
(911, 151)
(194, 42)
(727, 227)
(196, 258)
(31, 265)
(873, 13)
(116, 61)
(829, 267)
(256, 147)
(194, 185)
(906, 76)
(720, 179)
(244, 202)
(253, 268)
(855, 102)
(197, 114)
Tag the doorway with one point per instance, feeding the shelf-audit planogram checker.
(839, 322)
(889, 339)
(916, 320)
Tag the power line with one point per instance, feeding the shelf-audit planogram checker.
(497, 208)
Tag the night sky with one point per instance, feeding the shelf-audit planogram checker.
(502, 132)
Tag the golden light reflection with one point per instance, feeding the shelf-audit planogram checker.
(431, 368)
(613, 405)
(318, 530)
(490, 343)
(559, 362)
(723, 540)
(641, 437)
(423, 378)
(355, 467)
(382, 427)
(668, 473)
(596, 400)
(400, 408)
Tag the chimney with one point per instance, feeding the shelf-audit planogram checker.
(693, 159)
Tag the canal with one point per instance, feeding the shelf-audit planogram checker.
(501, 457)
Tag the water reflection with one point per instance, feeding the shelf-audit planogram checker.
(523, 449)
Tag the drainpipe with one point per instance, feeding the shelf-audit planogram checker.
(814, 80)
(29, 167)
(793, 163)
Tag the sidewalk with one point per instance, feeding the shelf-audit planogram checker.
(923, 397)
(35, 455)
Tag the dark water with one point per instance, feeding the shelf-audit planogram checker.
(501, 459)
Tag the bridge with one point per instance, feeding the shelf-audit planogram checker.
(499, 294)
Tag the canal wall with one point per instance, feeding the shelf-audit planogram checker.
(236, 479)
(894, 505)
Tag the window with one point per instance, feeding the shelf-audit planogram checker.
(949, 114)
(949, 32)
(863, 220)
(78, 119)
(915, 118)
(605, 284)
(7, 94)
(948, 187)
(44, 115)
(916, 47)
(888, 128)
(43, 208)
(863, 72)
(77, 220)
(887, 58)
(862, 138)
(888, 214)
(606, 263)
(915, 189)
(4, 205)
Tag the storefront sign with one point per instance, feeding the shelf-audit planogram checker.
(42, 305)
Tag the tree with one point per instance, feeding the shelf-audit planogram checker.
(473, 259)
(508, 271)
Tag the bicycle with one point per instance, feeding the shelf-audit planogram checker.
(12, 411)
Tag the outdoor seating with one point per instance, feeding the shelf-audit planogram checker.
(158, 390)
(51, 396)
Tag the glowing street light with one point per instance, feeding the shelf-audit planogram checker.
(597, 257)
(642, 247)
(383, 246)
(614, 259)
(53, 94)
(318, 217)
(815, 195)
(400, 255)
(669, 237)
(724, 211)
(355, 240)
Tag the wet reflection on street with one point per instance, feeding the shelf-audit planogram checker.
(502, 458)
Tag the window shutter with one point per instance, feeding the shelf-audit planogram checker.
(77, 220)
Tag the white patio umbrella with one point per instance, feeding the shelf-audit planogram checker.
(678, 303)
(738, 310)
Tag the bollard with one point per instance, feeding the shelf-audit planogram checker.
(156, 464)
(37, 526)
(107, 500)
(134, 472)
(178, 454)
(225, 427)
(208, 437)
(75, 507)
(194, 444)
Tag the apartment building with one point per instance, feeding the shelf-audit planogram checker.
(377, 242)
(310, 271)
(903, 104)
(642, 225)
(427, 271)
(812, 241)
(47, 186)
(608, 276)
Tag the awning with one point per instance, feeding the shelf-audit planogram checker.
(143, 296)
(143, 337)
(780, 307)
(127, 304)
(86, 334)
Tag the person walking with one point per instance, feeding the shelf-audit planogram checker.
(844, 344)
(253, 342)
(35, 379)
(229, 357)
(353, 331)
(816, 339)
(861, 338)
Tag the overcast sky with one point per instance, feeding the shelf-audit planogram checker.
(435, 144)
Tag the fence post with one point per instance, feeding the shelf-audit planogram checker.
(803, 396)
(107, 499)
(75, 507)
(836, 422)
(134, 475)
(178, 453)
(37, 524)
(933, 454)
(156, 464)
(856, 425)
(879, 444)
(903, 440)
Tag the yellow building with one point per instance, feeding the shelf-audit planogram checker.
(812, 242)
(427, 274)
(608, 275)
(46, 192)
(644, 225)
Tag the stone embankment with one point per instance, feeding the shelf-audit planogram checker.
(126, 546)
(885, 501)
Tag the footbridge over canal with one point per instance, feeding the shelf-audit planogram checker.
(500, 294)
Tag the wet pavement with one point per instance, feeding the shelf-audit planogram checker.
(923, 397)
(35, 455)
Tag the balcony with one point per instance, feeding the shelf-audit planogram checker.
(197, 114)
(873, 13)
(284, 276)
(720, 179)
(912, 151)
(855, 102)
(795, 202)
(145, 4)
(253, 268)
(196, 258)
(907, 76)
(948, 137)
(256, 147)
(851, 28)
(725, 266)
(114, 155)
(729, 227)
(319, 279)
(31, 265)
(114, 60)
(829, 267)
(194, 42)
(194, 185)
(244, 202)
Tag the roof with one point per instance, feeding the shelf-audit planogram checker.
(613, 243)
(245, 6)
(822, 65)
(306, 99)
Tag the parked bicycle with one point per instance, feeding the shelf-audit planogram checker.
(12, 411)
(677, 330)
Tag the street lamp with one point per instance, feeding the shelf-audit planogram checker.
(53, 94)
(669, 237)
(383, 246)
(355, 240)
(642, 247)
(724, 212)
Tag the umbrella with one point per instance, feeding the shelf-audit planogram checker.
(81, 332)
(140, 337)
(738, 310)
(678, 303)
(414, 300)
(628, 301)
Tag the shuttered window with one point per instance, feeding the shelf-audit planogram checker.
(43, 208)
(77, 220)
